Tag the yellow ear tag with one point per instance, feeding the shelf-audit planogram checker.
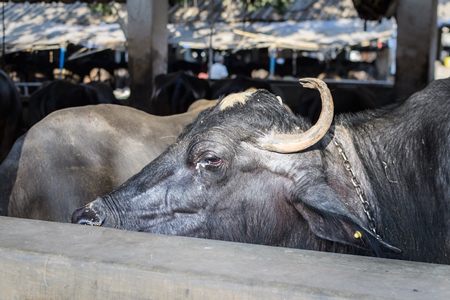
(357, 235)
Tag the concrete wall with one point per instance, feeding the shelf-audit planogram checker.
(44, 260)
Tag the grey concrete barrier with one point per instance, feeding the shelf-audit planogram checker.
(45, 260)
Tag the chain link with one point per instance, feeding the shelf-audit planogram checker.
(366, 206)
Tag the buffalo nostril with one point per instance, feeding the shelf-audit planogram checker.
(87, 216)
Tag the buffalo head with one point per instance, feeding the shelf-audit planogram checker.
(245, 170)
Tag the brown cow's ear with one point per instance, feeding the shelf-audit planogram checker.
(330, 219)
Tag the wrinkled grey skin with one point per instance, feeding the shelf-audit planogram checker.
(217, 182)
(78, 154)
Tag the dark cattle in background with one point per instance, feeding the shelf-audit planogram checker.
(306, 67)
(80, 153)
(348, 96)
(61, 94)
(104, 92)
(182, 65)
(304, 102)
(248, 170)
(345, 101)
(175, 92)
(241, 68)
(240, 83)
(11, 126)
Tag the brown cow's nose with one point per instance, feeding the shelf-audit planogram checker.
(87, 216)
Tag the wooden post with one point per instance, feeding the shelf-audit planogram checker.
(416, 45)
(147, 48)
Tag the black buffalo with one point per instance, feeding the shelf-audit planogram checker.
(61, 94)
(304, 102)
(80, 153)
(175, 92)
(10, 114)
(248, 170)
(241, 83)
(308, 104)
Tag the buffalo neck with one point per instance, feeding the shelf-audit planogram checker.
(391, 157)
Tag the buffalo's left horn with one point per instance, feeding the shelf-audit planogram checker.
(288, 143)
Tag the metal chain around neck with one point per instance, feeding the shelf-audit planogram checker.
(358, 189)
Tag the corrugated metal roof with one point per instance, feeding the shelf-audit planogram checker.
(229, 11)
(48, 25)
(41, 24)
(58, 13)
(64, 1)
(299, 10)
(234, 11)
(316, 35)
(306, 25)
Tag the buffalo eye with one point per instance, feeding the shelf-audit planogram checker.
(210, 159)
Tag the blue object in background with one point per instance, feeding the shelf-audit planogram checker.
(61, 60)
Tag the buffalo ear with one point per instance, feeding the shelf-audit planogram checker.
(329, 218)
